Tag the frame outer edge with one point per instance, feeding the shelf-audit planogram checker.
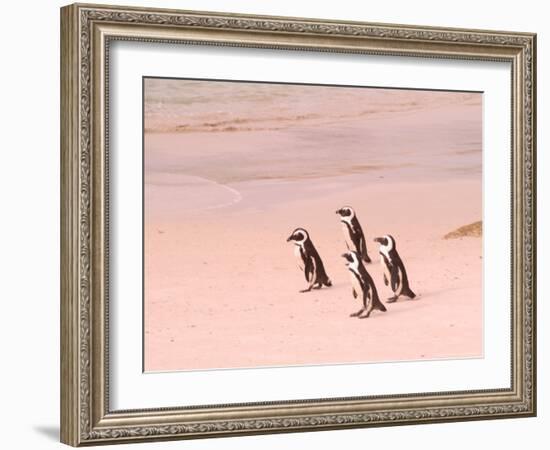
(79, 384)
(69, 183)
(533, 136)
(535, 157)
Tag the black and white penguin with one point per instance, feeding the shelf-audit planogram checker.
(394, 270)
(362, 286)
(353, 233)
(309, 260)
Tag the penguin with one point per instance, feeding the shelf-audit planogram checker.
(309, 260)
(355, 239)
(394, 270)
(362, 286)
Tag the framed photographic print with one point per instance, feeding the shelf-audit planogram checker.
(275, 224)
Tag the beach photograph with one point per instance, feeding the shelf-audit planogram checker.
(294, 224)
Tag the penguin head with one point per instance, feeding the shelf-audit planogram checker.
(346, 212)
(351, 259)
(299, 236)
(387, 242)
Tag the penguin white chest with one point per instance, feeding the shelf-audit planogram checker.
(399, 280)
(385, 268)
(383, 257)
(355, 284)
(298, 255)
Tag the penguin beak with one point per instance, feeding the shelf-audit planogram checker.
(338, 211)
(343, 255)
(289, 239)
(379, 240)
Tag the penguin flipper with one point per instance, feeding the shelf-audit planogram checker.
(394, 278)
(308, 269)
(364, 253)
(385, 280)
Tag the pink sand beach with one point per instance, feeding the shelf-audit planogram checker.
(232, 168)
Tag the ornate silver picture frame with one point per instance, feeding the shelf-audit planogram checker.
(87, 32)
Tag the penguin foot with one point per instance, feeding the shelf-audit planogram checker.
(319, 286)
(392, 299)
(365, 316)
(305, 290)
(356, 314)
